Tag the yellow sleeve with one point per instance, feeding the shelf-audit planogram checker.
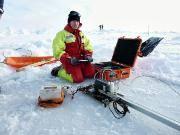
(58, 45)
(87, 44)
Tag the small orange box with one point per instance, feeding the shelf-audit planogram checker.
(123, 59)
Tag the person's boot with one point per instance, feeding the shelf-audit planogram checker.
(55, 71)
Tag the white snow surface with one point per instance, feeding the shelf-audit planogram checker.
(154, 82)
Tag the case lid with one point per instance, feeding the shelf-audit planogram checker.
(126, 51)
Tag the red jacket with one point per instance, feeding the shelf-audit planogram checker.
(71, 43)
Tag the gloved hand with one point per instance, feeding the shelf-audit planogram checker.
(74, 61)
(89, 58)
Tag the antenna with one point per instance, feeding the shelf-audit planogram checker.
(148, 29)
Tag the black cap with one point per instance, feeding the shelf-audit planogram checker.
(73, 15)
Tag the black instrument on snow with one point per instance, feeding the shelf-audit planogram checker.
(104, 92)
(148, 46)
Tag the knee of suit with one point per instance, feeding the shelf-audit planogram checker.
(89, 74)
(77, 75)
(89, 71)
(79, 72)
(78, 79)
(74, 76)
(63, 74)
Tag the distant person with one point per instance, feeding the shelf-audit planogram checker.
(70, 46)
(102, 27)
(1, 8)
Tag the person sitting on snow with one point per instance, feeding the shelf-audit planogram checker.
(69, 46)
(1, 8)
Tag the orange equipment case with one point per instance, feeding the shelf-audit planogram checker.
(123, 59)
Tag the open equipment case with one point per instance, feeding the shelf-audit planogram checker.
(123, 59)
